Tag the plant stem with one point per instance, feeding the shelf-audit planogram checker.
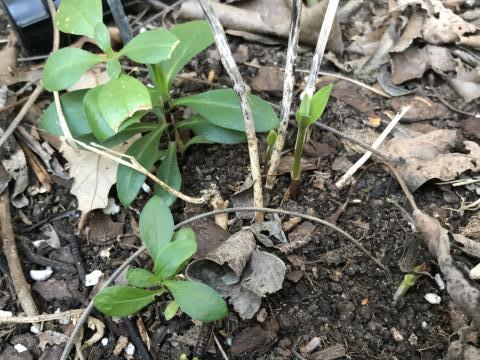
(297, 161)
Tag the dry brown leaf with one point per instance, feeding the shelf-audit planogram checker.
(93, 176)
(270, 18)
(466, 83)
(422, 108)
(412, 31)
(443, 26)
(286, 162)
(413, 62)
(427, 157)
(268, 79)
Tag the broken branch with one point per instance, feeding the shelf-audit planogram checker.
(288, 83)
(241, 90)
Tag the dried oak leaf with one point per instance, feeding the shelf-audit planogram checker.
(413, 62)
(443, 26)
(421, 108)
(93, 176)
(466, 83)
(428, 157)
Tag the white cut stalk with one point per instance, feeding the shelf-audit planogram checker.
(288, 84)
(321, 45)
(350, 172)
(241, 90)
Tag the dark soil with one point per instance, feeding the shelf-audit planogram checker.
(342, 296)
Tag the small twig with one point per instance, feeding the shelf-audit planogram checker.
(220, 348)
(136, 339)
(77, 257)
(37, 167)
(321, 45)
(41, 318)
(56, 96)
(350, 172)
(131, 258)
(31, 100)
(14, 105)
(203, 340)
(288, 84)
(22, 288)
(241, 90)
(134, 164)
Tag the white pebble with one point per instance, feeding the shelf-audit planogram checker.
(433, 298)
(41, 275)
(475, 273)
(20, 348)
(105, 341)
(92, 278)
(424, 324)
(146, 188)
(37, 243)
(65, 321)
(5, 314)
(413, 340)
(130, 349)
(311, 345)
(105, 253)
(34, 330)
(112, 208)
(439, 281)
(396, 334)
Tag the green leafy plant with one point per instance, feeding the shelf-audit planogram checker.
(170, 252)
(124, 107)
(311, 109)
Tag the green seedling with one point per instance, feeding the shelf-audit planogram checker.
(311, 109)
(124, 107)
(271, 140)
(170, 252)
(408, 281)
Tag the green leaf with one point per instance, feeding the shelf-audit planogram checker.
(122, 301)
(197, 300)
(102, 37)
(222, 108)
(219, 135)
(74, 115)
(79, 17)
(169, 173)
(156, 226)
(121, 98)
(171, 310)
(129, 132)
(97, 122)
(319, 103)
(114, 68)
(200, 139)
(176, 253)
(65, 67)
(194, 36)
(150, 47)
(141, 278)
(271, 138)
(144, 150)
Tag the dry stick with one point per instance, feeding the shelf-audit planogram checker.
(121, 268)
(321, 45)
(41, 318)
(135, 165)
(56, 44)
(240, 88)
(31, 100)
(288, 83)
(350, 172)
(22, 288)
